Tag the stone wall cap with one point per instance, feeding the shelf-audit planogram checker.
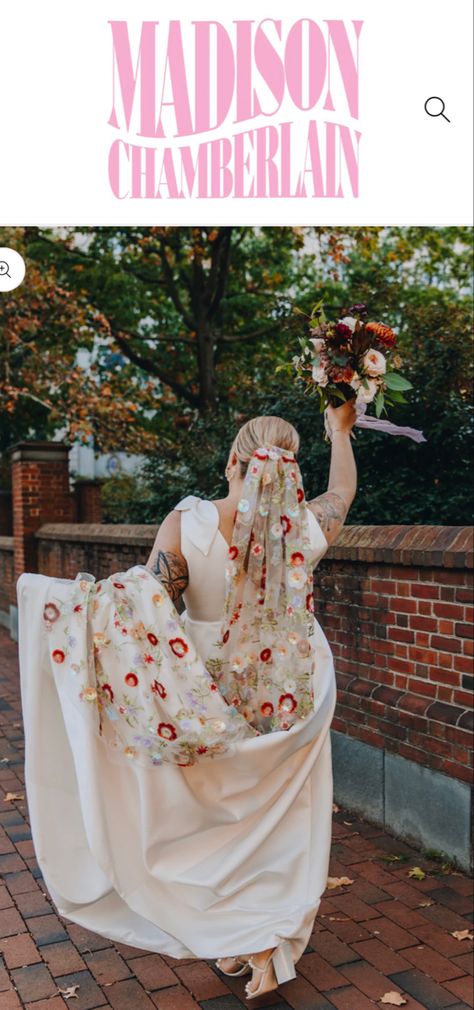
(428, 546)
(38, 451)
(100, 533)
(7, 544)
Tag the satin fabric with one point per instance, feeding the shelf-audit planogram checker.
(220, 858)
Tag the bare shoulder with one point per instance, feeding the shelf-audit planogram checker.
(166, 560)
(330, 509)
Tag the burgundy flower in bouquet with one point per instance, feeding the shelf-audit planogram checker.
(352, 357)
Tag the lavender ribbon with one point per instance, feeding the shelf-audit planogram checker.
(378, 424)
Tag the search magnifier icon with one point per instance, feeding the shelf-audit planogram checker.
(435, 106)
(4, 269)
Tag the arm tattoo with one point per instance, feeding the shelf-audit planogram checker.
(171, 570)
(330, 511)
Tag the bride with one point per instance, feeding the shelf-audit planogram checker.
(178, 766)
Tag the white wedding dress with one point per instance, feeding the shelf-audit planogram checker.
(227, 856)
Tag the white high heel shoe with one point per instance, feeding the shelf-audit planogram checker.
(279, 968)
(243, 970)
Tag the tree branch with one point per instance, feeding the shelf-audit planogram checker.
(219, 281)
(173, 291)
(153, 368)
(232, 337)
(88, 258)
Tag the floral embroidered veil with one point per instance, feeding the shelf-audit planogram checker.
(119, 651)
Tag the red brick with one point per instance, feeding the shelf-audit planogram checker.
(364, 977)
(445, 644)
(432, 963)
(11, 922)
(381, 956)
(201, 981)
(321, 974)
(47, 929)
(433, 936)
(19, 950)
(176, 998)
(5, 898)
(461, 987)
(10, 1001)
(32, 903)
(33, 982)
(391, 934)
(129, 995)
(62, 958)
(350, 999)
(152, 972)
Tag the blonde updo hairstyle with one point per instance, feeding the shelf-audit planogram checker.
(263, 431)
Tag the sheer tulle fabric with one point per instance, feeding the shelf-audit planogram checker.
(267, 665)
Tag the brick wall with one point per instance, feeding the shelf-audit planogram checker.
(6, 575)
(41, 493)
(396, 606)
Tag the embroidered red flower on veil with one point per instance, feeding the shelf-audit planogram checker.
(152, 638)
(267, 708)
(297, 558)
(108, 690)
(286, 524)
(286, 703)
(233, 552)
(131, 679)
(50, 612)
(119, 585)
(265, 655)
(58, 656)
(167, 731)
(158, 688)
(310, 603)
(300, 494)
(178, 646)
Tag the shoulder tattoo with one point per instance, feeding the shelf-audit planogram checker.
(172, 571)
(330, 510)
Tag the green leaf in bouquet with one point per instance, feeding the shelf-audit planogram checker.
(340, 359)
(336, 392)
(318, 311)
(379, 403)
(393, 380)
(397, 397)
(298, 312)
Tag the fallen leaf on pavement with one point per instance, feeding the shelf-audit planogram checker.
(14, 796)
(463, 934)
(426, 904)
(393, 999)
(338, 882)
(70, 992)
(417, 873)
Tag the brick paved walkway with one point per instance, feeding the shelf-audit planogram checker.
(385, 932)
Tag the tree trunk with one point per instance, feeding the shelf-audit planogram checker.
(206, 372)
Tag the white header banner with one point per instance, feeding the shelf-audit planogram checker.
(352, 111)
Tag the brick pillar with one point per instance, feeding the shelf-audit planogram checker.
(89, 501)
(41, 494)
(5, 514)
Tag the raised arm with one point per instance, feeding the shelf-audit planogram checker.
(331, 508)
(166, 560)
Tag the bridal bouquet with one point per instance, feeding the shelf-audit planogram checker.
(351, 357)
